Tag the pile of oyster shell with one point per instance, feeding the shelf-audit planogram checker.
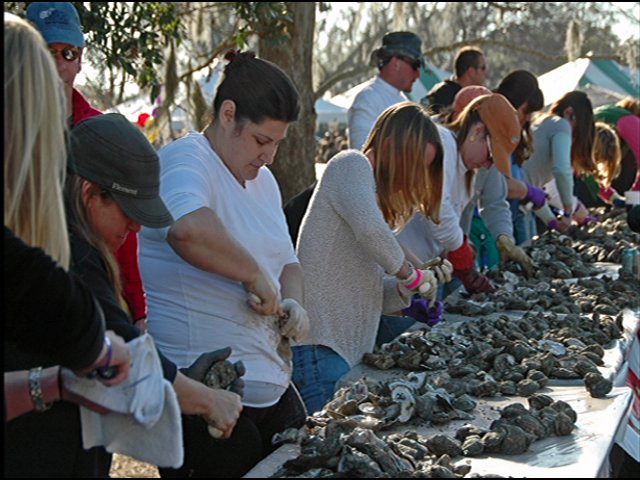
(558, 258)
(504, 356)
(345, 444)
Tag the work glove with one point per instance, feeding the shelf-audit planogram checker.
(510, 251)
(535, 196)
(464, 258)
(442, 269)
(619, 202)
(424, 311)
(421, 282)
(295, 323)
(198, 369)
(588, 220)
(582, 215)
(558, 225)
(474, 281)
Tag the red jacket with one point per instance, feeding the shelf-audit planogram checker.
(127, 255)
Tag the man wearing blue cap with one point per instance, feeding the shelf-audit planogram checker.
(59, 24)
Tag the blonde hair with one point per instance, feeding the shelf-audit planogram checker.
(404, 183)
(607, 155)
(82, 226)
(34, 145)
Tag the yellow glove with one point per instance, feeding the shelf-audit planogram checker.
(510, 251)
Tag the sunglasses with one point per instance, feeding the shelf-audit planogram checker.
(415, 64)
(68, 53)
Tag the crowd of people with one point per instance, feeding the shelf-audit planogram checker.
(108, 240)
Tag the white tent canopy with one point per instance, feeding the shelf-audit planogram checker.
(603, 80)
(329, 112)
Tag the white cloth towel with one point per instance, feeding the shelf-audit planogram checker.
(145, 422)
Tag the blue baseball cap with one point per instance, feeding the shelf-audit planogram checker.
(58, 22)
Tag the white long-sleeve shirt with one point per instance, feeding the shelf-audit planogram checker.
(374, 99)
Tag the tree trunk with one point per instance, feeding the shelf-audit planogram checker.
(294, 164)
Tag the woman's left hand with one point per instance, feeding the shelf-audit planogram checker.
(295, 323)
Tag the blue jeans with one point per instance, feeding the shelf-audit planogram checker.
(316, 370)
(390, 327)
(524, 226)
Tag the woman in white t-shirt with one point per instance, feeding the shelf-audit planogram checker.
(225, 273)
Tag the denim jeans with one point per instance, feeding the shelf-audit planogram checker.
(316, 370)
(524, 226)
(390, 327)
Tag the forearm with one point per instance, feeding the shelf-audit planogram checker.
(562, 172)
(292, 282)
(516, 189)
(411, 257)
(201, 239)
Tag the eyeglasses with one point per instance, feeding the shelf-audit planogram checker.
(68, 53)
(413, 63)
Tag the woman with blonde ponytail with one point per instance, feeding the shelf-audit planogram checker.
(50, 318)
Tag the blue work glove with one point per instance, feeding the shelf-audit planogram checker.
(619, 202)
(558, 225)
(588, 220)
(425, 311)
(536, 196)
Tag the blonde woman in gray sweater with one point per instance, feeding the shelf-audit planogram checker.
(355, 269)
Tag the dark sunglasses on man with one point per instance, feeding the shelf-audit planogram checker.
(413, 63)
(68, 53)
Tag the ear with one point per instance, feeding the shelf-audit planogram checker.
(227, 113)
(85, 191)
(476, 130)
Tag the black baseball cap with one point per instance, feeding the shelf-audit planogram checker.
(113, 153)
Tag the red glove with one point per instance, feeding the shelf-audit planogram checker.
(464, 258)
(474, 281)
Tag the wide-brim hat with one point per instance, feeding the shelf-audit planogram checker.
(407, 44)
(503, 126)
(58, 22)
(110, 151)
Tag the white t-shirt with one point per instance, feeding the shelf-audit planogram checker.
(191, 311)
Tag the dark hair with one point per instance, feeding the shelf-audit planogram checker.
(466, 58)
(521, 86)
(518, 87)
(584, 131)
(259, 88)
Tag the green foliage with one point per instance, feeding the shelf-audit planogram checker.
(269, 20)
(127, 37)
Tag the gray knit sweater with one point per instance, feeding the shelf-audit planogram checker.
(345, 247)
